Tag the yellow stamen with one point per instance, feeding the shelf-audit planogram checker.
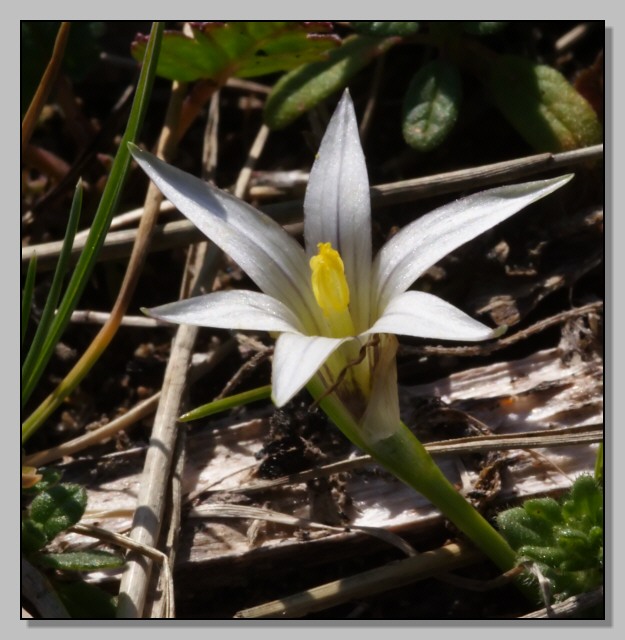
(328, 280)
(331, 290)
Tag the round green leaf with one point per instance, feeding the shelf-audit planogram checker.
(431, 105)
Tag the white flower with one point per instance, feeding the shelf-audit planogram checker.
(334, 308)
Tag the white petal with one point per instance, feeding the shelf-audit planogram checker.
(245, 310)
(419, 314)
(426, 240)
(296, 359)
(337, 206)
(261, 247)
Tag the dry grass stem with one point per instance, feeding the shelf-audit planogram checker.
(179, 233)
(366, 584)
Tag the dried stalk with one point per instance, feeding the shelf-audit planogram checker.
(458, 446)
(180, 233)
(151, 501)
(366, 584)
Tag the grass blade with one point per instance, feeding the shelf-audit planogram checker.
(102, 220)
(27, 294)
(37, 357)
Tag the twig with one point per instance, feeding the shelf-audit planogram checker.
(45, 86)
(131, 417)
(571, 37)
(184, 232)
(147, 521)
(460, 446)
(257, 513)
(502, 343)
(101, 317)
(138, 548)
(367, 116)
(570, 607)
(366, 584)
(97, 436)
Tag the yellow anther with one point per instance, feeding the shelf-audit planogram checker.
(328, 280)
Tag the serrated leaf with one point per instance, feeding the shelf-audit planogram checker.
(482, 28)
(542, 106)
(85, 601)
(431, 105)
(301, 89)
(81, 560)
(219, 50)
(385, 29)
(58, 508)
(33, 536)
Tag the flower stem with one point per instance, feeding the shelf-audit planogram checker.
(405, 457)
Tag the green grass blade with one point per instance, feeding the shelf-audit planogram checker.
(237, 400)
(27, 294)
(37, 358)
(104, 215)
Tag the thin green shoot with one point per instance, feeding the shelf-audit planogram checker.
(231, 402)
(52, 325)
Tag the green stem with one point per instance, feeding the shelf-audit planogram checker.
(406, 458)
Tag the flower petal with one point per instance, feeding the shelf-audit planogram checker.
(246, 310)
(296, 359)
(337, 205)
(426, 240)
(261, 247)
(419, 314)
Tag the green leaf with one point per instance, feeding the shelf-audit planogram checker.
(565, 540)
(431, 105)
(85, 601)
(33, 536)
(385, 29)
(27, 293)
(542, 106)
(99, 228)
(58, 508)
(477, 28)
(245, 49)
(51, 324)
(303, 88)
(236, 400)
(81, 560)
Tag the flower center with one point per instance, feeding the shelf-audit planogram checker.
(331, 290)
